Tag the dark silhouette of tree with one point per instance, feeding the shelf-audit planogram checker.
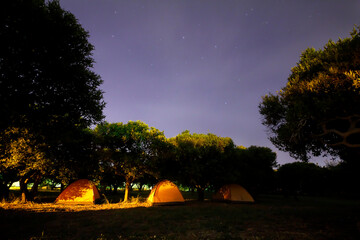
(318, 112)
(47, 86)
(343, 180)
(200, 158)
(253, 168)
(79, 161)
(301, 178)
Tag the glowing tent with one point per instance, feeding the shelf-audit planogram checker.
(165, 193)
(233, 193)
(80, 191)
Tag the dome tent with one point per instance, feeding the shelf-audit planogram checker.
(233, 193)
(165, 193)
(80, 191)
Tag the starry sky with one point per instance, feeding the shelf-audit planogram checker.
(203, 65)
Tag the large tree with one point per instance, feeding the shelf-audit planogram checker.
(47, 86)
(131, 149)
(253, 167)
(46, 67)
(318, 111)
(201, 159)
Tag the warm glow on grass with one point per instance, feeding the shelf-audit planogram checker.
(51, 207)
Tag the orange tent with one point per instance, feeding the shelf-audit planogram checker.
(80, 191)
(165, 193)
(233, 193)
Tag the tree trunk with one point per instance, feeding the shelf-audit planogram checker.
(23, 189)
(127, 188)
(141, 185)
(34, 189)
(4, 192)
(102, 188)
(115, 189)
(201, 194)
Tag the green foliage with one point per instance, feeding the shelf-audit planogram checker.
(200, 158)
(24, 156)
(23, 153)
(317, 111)
(131, 150)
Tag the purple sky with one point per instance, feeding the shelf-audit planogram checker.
(204, 65)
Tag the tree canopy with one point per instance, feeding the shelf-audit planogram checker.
(130, 149)
(253, 167)
(48, 91)
(200, 158)
(46, 76)
(318, 112)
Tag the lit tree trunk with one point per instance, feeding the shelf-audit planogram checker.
(23, 189)
(127, 188)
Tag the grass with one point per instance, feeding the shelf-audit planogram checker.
(271, 217)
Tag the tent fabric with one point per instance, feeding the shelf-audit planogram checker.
(233, 193)
(80, 191)
(165, 193)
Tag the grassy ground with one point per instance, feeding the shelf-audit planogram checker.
(271, 217)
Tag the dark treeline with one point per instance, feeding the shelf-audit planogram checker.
(117, 155)
(303, 178)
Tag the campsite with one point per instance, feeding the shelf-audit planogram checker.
(179, 120)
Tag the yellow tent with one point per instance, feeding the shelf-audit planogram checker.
(165, 193)
(233, 193)
(80, 191)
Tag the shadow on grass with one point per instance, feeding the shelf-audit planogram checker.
(270, 218)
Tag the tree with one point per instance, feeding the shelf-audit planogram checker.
(200, 158)
(343, 180)
(7, 178)
(78, 158)
(45, 62)
(131, 149)
(253, 167)
(318, 112)
(47, 86)
(25, 156)
(302, 178)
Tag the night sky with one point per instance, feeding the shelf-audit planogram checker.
(204, 65)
